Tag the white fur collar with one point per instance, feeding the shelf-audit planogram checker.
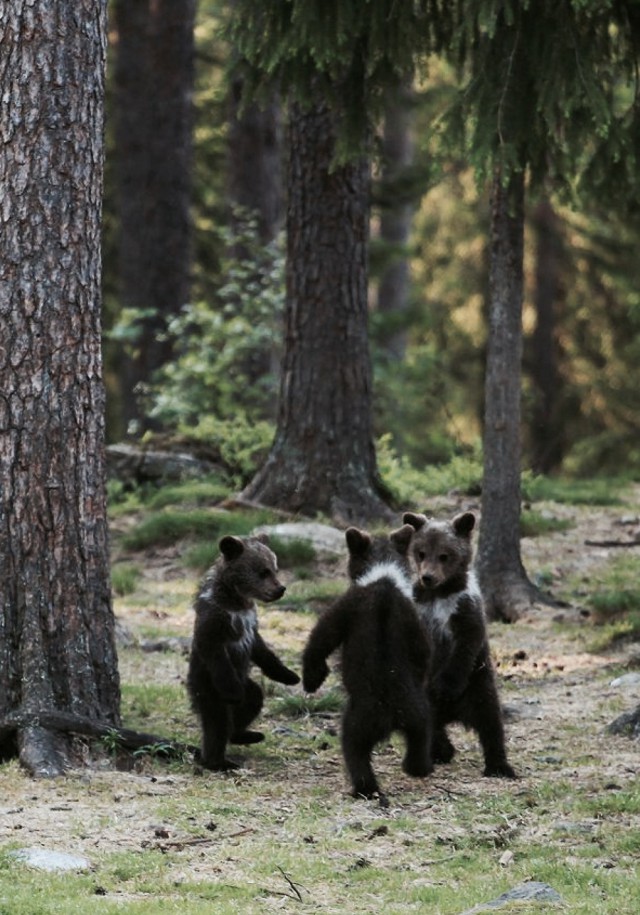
(440, 610)
(387, 570)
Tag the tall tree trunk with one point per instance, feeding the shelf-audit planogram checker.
(255, 190)
(323, 457)
(547, 428)
(57, 647)
(154, 82)
(255, 158)
(504, 582)
(396, 212)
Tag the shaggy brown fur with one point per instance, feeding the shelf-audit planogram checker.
(226, 642)
(463, 686)
(384, 658)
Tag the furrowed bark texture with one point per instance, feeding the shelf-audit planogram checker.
(323, 457)
(57, 647)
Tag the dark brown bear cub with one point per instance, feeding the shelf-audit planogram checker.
(226, 642)
(463, 686)
(384, 658)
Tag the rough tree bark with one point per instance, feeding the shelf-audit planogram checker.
(57, 646)
(153, 121)
(504, 581)
(323, 457)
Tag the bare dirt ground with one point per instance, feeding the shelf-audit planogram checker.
(557, 693)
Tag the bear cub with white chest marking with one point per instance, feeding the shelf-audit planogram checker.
(462, 684)
(384, 658)
(226, 642)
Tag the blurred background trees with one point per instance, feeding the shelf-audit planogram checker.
(429, 224)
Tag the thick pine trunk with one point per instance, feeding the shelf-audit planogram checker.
(323, 457)
(154, 83)
(504, 581)
(57, 646)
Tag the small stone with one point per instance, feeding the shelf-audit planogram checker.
(532, 891)
(322, 537)
(45, 860)
(632, 679)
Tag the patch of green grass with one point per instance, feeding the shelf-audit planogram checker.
(200, 556)
(121, 499)
(143, 703)
(315, 594)
(124, 578)
(203, 491)
(166, 527)
(537, 524)
(299, 706)
(573, 492)
(615, 597)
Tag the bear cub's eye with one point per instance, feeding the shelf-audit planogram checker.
(421, 555)
(265, 573)
(443, 558)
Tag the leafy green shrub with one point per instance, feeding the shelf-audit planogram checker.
(535, 524)
(409, 486)
(124, 578)
(572, 492)
(222, 384)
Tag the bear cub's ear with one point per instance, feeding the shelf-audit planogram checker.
(358, 542)
(402, 538)
(463, 524)
(416, 521)
(231, 547)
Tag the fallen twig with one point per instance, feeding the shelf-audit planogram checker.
(623, 543)
(294, 887)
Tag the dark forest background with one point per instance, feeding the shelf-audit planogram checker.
(193, 309)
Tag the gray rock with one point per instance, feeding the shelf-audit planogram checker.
(632, 679)
(532, 891)
(45, 860)
(322, 537)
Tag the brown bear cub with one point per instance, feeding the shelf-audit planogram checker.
(462, 683)
(385, 658)
(226, 642)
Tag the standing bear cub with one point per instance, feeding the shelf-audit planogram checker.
(384, 658)
(226, 642)
(463, 686)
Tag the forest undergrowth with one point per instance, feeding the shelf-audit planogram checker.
(282, 833)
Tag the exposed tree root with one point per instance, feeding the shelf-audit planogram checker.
(41, 752)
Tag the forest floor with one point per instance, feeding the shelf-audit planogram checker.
(282, 831)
